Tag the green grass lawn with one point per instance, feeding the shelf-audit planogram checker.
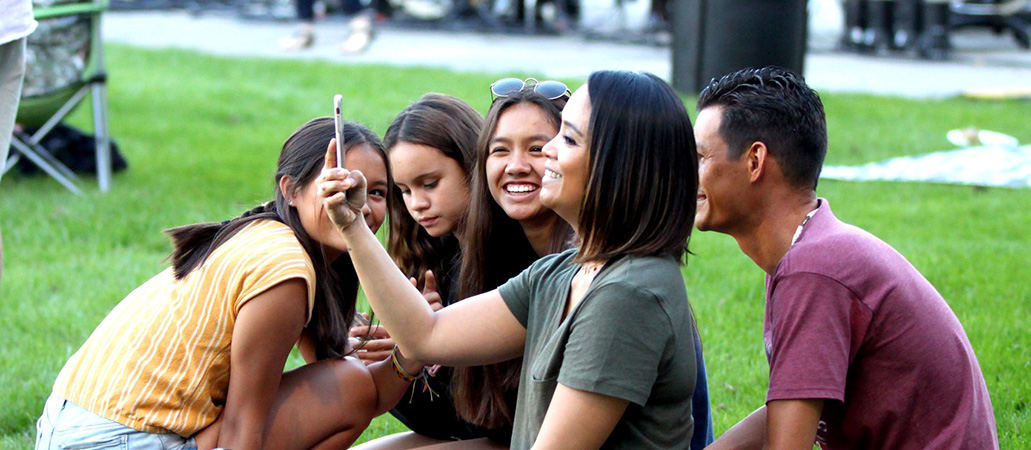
(202, 134)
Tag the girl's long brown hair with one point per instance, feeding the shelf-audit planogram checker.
(336, 287)
(449, 125)
(494, 249)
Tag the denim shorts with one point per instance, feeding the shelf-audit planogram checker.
(65, 425)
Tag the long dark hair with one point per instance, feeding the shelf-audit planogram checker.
(450, 126)
(336, 287)
(643, 182)
(494, 249)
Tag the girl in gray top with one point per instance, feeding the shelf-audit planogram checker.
(605, 329)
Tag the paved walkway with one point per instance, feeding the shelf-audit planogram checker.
(980, 60)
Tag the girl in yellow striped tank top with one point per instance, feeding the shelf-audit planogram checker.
(194, 357)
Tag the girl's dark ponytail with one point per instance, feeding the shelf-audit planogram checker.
(193, 243)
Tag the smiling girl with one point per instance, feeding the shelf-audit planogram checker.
(507, 229)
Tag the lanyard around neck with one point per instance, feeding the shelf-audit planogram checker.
(798, 231)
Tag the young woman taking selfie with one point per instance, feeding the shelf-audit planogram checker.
(507, 229)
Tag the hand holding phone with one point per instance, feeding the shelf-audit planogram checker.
(338, 122)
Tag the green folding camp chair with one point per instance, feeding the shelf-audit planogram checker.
(64, 64)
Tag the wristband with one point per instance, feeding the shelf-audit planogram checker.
(400, 371)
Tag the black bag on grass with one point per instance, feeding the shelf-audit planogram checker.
(75, 149)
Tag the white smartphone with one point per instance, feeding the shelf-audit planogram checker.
(338, 121)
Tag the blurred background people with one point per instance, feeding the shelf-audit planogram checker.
(360, 25)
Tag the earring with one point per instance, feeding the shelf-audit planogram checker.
(292, 203)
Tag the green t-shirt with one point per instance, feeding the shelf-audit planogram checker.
(630, 337)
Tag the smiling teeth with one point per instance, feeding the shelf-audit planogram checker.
(548, 173)
(520, 189)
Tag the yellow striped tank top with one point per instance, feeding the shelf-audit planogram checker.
(159, 361)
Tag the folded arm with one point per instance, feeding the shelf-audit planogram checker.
(579, 420)
(780, 425)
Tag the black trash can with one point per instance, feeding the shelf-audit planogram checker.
(712, 38)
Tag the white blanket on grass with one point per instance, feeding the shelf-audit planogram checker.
(981, 166)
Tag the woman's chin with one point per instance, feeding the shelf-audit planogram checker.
(547, 198)
(521, 212)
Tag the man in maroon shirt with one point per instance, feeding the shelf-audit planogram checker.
(864, 353)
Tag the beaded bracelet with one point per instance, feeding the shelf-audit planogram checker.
(400, 371)
(407, 377)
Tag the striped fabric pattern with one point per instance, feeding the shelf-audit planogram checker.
(159, 361)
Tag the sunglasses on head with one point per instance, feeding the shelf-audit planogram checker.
(550, 89)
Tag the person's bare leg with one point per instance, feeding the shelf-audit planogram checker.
(207, 438)
(339, 441)
(399, 441)
(326, 404)
(471, 444)
(410, 440)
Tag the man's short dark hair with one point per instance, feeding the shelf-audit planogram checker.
(774, 106)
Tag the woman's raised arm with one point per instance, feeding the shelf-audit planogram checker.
(476, 331)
